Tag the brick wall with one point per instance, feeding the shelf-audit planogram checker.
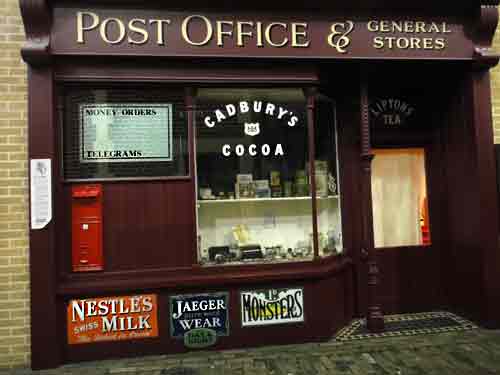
(14, 273)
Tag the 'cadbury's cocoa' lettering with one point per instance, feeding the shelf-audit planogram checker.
(269, 109)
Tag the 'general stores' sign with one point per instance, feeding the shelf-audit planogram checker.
(159, 32)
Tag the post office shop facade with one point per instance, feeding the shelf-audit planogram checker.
(222, 178)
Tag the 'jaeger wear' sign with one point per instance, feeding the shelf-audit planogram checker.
(206, 315)
(272, 306)
(112, 319)
(125, 132)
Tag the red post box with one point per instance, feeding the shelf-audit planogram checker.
(86, 228)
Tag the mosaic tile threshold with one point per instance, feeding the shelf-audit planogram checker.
(407, 325)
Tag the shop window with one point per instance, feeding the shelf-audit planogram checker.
(111, 133)
(327, 181)
(253, 180)
(399, 196)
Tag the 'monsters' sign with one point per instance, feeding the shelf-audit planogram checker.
(112, 319)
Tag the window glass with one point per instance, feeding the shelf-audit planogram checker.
(124, 133)
(399, 196)
(254, 197)
(327, 181)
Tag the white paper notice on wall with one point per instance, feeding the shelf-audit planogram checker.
(41, 192)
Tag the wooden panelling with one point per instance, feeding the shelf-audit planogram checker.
(409, 279)
(152, 221)
(325, 312)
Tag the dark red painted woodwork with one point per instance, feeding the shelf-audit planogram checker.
(41, 133)
(310, 99)
(149, 231)
(374, 315)
(459, 45)
(320, 324)
(409, 279)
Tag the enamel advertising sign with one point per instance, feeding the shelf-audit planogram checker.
(199, 318)
(112, 319)
(272, 306)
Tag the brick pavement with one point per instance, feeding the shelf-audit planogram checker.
(467, 352)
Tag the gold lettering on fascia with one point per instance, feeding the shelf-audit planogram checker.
(196, 30)
(338, 37)
(414, 34)
(113, 30)
(199, 30)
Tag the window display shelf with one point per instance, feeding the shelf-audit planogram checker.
(211, 201)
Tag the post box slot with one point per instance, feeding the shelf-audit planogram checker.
(85, 193)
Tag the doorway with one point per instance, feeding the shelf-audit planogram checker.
(399, 196)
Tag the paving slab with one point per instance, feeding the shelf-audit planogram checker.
(475, 351)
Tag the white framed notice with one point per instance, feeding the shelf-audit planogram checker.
(41, 192)
(116, 133)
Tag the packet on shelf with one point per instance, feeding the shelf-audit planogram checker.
(244, 186)
(240, 234)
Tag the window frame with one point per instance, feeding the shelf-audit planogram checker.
(63, 86)
(312, 96)
(396, 146)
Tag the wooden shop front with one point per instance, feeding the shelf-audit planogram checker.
(243, 177)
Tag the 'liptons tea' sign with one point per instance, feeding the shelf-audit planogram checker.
(112, 319)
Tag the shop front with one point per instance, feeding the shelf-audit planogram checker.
(213, 179)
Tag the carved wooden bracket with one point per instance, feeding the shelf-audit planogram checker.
(484, 56)
(37, 19)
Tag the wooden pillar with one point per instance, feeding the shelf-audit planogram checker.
(310, 94)
(45, 340)
(189, 102)
(46, 328)
(486, 224)
(374, 317)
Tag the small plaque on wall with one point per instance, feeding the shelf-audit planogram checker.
(112, 319)
(41, 192)
(272, 306)
(113, 133)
